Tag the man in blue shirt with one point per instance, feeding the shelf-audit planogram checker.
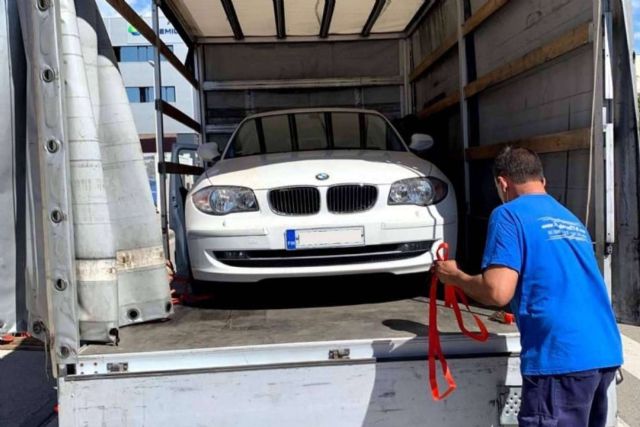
(539, 258)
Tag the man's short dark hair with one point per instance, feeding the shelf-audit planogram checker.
(518, 164)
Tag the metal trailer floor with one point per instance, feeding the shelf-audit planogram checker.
(295, 311)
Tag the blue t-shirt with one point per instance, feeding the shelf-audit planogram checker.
(561, 304)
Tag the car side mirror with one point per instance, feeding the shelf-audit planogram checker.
(208, 151)
(421, 142)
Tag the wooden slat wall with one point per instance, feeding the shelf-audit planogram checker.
(484, 13)
(551, 143)
(557, 47)
(531, 85)
(564, 44)
(440, 78)
(448, 102)
(426, 63)
(572, 40)
(544, 92)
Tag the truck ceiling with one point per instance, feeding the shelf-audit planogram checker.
(300, 18)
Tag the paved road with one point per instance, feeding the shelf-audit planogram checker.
(629, 389)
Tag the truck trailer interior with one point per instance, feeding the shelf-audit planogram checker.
(553, 76)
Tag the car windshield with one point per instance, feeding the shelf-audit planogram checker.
(317, 130)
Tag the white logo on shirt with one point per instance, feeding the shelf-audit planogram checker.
(559, 229)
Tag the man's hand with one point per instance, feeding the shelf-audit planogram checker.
(447, 271)
(494, 287)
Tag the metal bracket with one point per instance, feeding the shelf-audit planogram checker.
(117, 367)
(162, 188)
(608, 249)
(509, 399)
(339, 354)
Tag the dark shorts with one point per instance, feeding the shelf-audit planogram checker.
(577, 399)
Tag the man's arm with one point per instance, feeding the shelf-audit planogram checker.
(495, 286)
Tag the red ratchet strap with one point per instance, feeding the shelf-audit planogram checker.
(182, 295)
(10, 337)
(451, 296)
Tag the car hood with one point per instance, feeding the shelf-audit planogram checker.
(300, 168)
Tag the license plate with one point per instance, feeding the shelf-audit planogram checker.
(324, 238)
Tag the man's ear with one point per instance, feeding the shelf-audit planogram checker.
(502, 184)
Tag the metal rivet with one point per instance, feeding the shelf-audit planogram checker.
(133, 314)
(48, 75)
(37, 327)
(60, 284)
(43, 4)
(57, 216)
(52, 145)
(64, 351)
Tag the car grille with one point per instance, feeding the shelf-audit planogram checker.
(351, 198)
(295, 200)
(323, 257)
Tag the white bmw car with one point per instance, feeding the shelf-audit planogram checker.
(315, 192)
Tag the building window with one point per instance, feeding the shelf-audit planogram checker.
(133, 93)
(140, 94)
(145, 94)
(136, 53)
(169, 93)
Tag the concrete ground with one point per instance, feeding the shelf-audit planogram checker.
(629, 389)
(27, 394)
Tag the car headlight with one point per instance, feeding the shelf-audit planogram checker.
(418, 191)
(225, 200)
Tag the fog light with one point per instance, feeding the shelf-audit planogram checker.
(234, 255)
(413, 246)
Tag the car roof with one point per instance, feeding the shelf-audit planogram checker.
(313, 110)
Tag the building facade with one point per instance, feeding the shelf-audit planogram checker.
(136, 62)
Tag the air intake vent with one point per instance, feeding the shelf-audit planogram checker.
(295, 201)
(351, 198)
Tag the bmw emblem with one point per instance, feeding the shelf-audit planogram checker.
(322, 177)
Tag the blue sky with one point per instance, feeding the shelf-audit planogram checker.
(636, 25)
(141, 6)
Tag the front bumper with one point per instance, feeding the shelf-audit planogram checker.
(220, 272)
(214, 241)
